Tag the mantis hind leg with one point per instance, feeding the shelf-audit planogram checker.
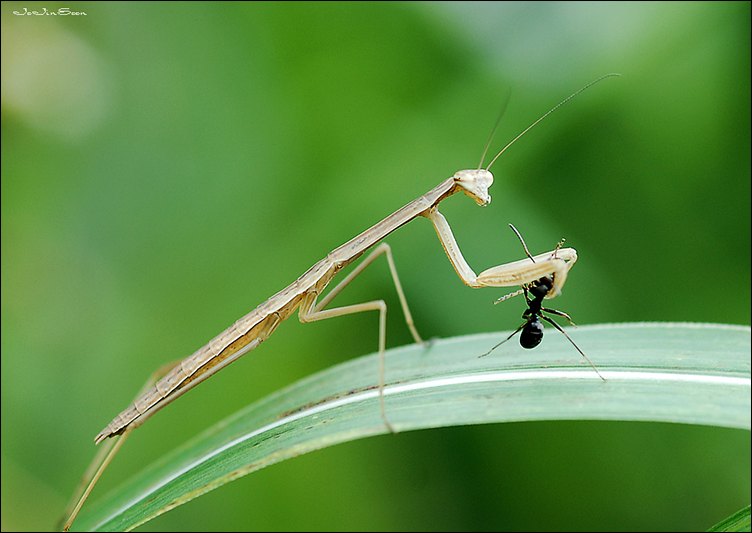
(103, 458)
(95, 470)
(312, 310)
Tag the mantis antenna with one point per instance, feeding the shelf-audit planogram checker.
(504, 104)
(554, 108)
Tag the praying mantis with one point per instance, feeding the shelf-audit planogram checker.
(306, 295)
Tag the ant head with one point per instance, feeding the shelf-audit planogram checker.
(541, 287)
(532, 334)
(475, 184)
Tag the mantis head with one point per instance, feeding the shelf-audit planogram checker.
(475, 184)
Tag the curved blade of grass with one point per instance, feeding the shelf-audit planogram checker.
(686, 373)
(739, 521)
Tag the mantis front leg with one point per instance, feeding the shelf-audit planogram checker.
(555, 263)
(542, 275)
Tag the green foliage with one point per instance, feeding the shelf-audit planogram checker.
(739, 521)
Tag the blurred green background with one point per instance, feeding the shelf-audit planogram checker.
(167, 167)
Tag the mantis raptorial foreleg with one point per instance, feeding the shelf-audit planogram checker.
(312, 310)
(452, 249)
(517, 273)
(556, 264)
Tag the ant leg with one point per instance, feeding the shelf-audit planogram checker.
(557, 326)
(559, 313)
(527, 295)
(505, 340)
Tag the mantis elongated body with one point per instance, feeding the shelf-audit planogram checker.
(303, 295)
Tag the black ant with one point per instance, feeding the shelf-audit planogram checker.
(532, 328)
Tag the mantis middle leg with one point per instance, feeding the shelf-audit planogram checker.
(312, 310)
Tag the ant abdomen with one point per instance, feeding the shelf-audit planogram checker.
(532, 334)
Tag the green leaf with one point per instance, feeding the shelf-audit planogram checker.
(684, 373)
(739, 521)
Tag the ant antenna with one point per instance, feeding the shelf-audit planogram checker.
(527, 252)
(504, 104)
(557, 106)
